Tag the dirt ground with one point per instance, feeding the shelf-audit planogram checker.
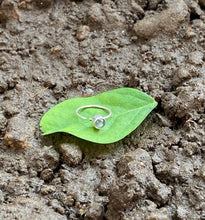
(53, 50)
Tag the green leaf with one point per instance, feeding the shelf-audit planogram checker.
(129, 108)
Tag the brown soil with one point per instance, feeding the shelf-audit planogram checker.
(51, 51)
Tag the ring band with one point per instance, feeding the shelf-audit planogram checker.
(98, 120)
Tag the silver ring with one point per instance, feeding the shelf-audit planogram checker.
(98, 120)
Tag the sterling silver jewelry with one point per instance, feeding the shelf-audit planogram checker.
(98, 120)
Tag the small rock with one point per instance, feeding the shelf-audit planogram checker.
(145, 48)
(46, 159)
(83, 32)
(66, 176)
(50, 83)
(57, 206)
(45, 190)
(186, 170)
(157, 158)
(10, 108)
(96, 16)
(51, 158)
(33, 173)
(107, 164)
(104, 17)
(69, 201)
(182, 213)
(56, 50)
(180, 75)
(159, 214)
(88, 92)
(22, 5)
(71, 154)
(133, 162)
(186, 102)
(56, 181)
(22, 169)
(107, 179)
(196, 57)
(166, 21)
(183, 171)
(78, 78)
(201, 171)
(158, 191)
(47, 174)
(137, 8)
(83, 60)
(19, 132)
(95, 212)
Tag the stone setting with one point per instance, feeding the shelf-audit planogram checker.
(98, 121)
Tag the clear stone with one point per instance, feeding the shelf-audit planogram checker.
(99, 123)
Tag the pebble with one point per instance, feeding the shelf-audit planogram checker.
(157, 158)
(104, 17)
(69, 201)
(83, 32)
(46, 159)
(49, 83)
(167, 21)
(180, 75)
(183, 171)
(47, 174)
(107, 179)
(83, 60)
(159, 214)
(182, 213)
(51, 158)
(22, 169)
(196, 57)
(19, 132)
(88, 92)
(45, 190)
(57, 206)
(201, 171)
(66, 176)
(134, 159)
(95, 212)
(71, 154)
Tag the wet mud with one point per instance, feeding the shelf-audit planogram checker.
(51, 51)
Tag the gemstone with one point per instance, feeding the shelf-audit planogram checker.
(99, 123)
